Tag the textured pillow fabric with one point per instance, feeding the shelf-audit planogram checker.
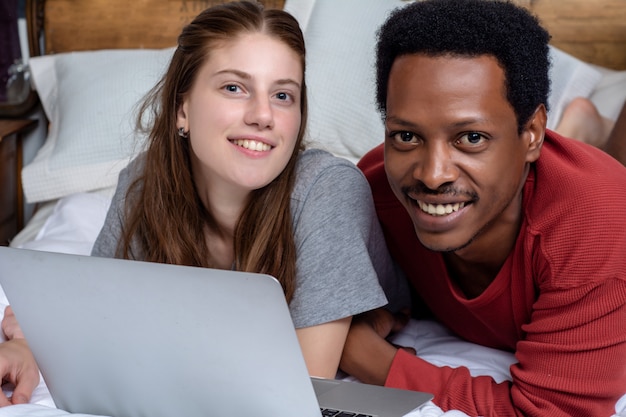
(340, 40)
(609, 95)
(90, 100)
(569, 78)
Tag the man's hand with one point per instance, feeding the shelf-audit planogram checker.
(18, 366)
(367, 355)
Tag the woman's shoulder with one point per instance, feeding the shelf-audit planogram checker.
(320, 170)
(313, 162)
(132, 171)
(136, 164)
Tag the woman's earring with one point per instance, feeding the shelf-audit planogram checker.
(182, 133)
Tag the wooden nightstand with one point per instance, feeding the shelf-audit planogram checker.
(11, 196)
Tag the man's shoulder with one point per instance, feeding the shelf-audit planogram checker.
(575, 177)
(373, 163)
(573, 205)
(564, 158)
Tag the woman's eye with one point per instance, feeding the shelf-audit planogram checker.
(232, 88)
(282, 96)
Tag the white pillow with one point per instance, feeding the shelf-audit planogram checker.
(609, 96)
(340, 40)
(569, 78)
(90, 99)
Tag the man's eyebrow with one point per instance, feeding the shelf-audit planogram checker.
(400, 122)
(470, 121)
(461, 123)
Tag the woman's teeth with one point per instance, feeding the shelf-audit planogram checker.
(253, 145)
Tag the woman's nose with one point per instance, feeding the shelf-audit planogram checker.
(260, 113)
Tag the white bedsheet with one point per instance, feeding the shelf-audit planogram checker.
(73, 224)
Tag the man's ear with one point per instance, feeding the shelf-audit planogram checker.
(534, 132)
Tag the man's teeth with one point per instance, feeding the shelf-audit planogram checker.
(440, 209)
(253, 145)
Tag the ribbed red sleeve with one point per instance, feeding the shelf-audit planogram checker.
(571, 363)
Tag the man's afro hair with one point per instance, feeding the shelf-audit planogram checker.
(471, 28)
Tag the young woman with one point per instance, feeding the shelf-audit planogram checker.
(225, 183)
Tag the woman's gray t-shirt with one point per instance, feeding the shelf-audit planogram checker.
(340, 249)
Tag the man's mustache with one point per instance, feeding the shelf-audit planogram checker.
(420, 188)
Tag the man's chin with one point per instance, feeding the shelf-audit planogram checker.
(442, 244)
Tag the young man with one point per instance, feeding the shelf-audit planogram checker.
(509, 234)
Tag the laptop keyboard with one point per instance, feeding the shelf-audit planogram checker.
(328, 412)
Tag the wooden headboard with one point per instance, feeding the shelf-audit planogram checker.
(592, 30)
(79, 25)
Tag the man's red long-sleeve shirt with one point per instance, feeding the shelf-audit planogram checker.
(559, 301)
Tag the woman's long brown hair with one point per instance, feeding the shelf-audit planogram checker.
(165, 219)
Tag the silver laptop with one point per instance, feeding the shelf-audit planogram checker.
(127, 339)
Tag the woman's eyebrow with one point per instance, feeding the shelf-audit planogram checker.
(236, 72)
(246, 76)
(284, 81)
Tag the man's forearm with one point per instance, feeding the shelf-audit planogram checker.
(366, 355)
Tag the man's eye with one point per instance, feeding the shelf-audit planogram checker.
(472, 138)
(405, 137)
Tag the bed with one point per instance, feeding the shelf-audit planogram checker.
(88, 86)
